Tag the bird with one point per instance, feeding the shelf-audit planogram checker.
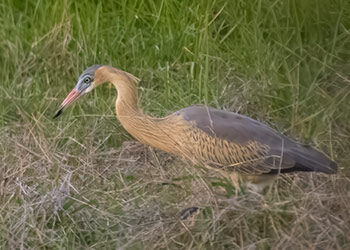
(233, 144)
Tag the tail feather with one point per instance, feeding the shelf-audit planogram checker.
(309, 159)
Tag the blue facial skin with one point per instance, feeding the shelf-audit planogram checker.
(84, 81)
(86, 78)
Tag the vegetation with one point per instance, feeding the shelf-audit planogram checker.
(78, 182)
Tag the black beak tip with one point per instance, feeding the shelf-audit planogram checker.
(58, 113)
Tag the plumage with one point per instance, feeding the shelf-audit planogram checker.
(223, 140)
(268, 148)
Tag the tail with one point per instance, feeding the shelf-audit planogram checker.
(308, 159)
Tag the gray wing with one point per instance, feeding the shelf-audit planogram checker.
(284, 155)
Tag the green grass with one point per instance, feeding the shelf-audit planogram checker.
(72, 183)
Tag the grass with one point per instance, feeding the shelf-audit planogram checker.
(78, 182)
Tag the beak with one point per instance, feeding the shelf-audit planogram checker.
(71, 97)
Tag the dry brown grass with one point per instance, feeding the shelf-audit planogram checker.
(132, 197)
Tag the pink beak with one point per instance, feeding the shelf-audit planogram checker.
(71, 97)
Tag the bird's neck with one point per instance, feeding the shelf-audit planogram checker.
(146, 129)
(127, 99)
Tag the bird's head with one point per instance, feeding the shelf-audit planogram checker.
(86, 82)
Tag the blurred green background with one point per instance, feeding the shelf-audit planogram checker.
(283, 62)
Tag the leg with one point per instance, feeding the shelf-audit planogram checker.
(259, 182)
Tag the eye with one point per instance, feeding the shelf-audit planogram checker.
(87, 80)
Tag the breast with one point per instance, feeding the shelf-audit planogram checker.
(166, 133)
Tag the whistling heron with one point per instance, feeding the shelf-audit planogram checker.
(226, 141)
